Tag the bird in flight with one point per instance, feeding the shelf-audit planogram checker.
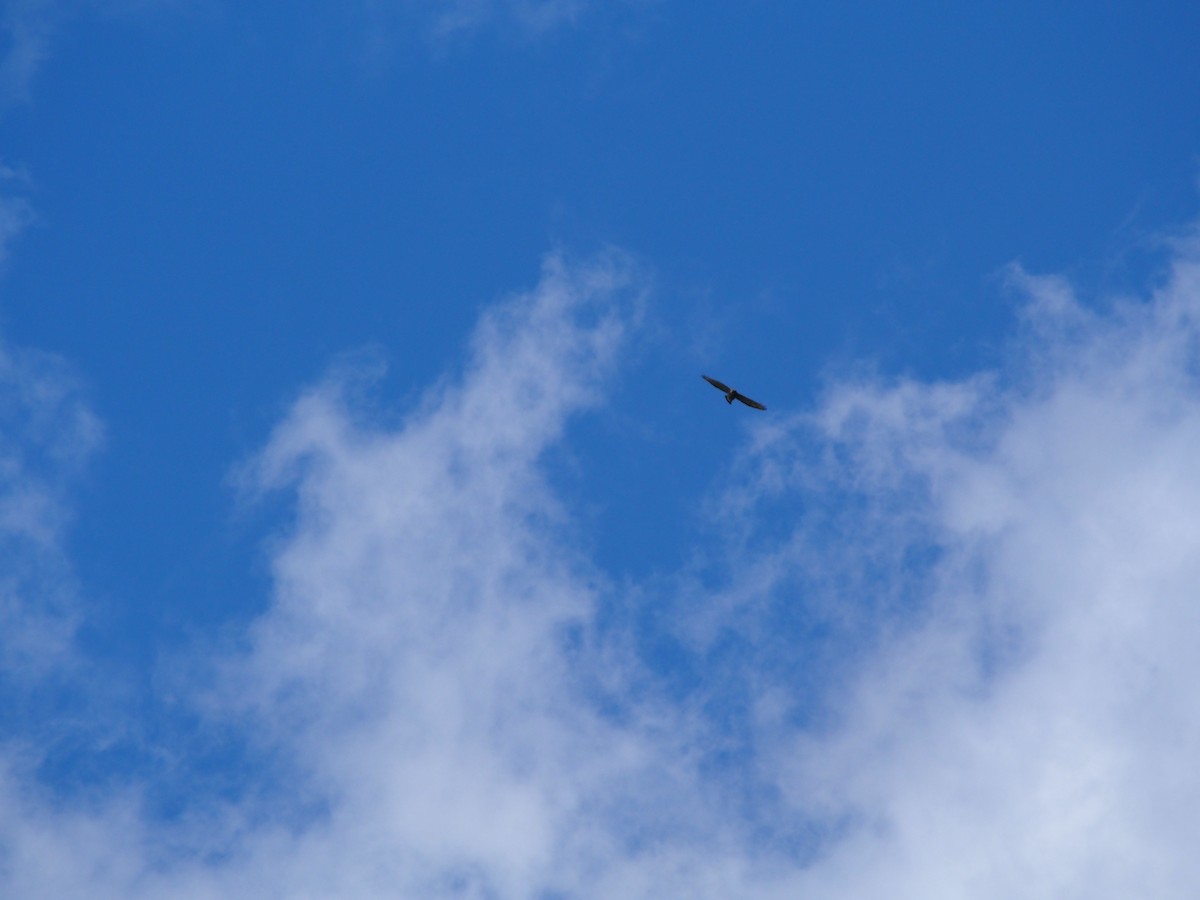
(731, 394)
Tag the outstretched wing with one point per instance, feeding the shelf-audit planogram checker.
(716, 384)
(747, 401)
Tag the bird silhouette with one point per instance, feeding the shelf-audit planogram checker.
(731, 394)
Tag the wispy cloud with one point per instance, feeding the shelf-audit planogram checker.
(25, 30)
(48, 431)
(28, 29)
(994, 581)
(449, 21)
(15, 211)
(533, 16)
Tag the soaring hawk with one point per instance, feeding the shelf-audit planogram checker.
(731, 394)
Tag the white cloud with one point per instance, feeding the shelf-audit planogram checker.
(1027, 730)
(1009, 564)
(417, 651)
(425, 669)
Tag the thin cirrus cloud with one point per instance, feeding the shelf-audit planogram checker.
(27, 29)
(445, 23)
(47, 434)
(533, 16)
(1012, 716)
(15, 211)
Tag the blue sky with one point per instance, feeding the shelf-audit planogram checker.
(369, 531)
